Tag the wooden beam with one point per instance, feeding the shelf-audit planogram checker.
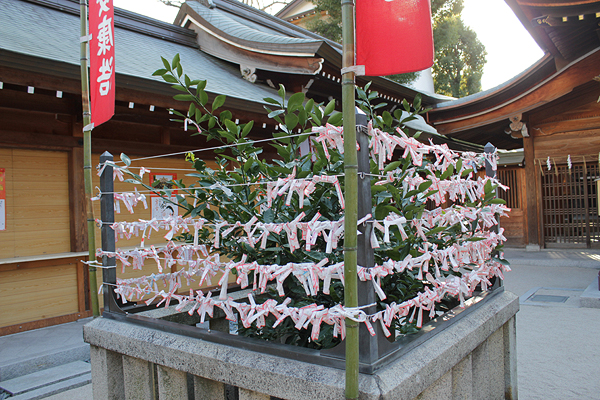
(552, 88)
(37, 140)
(43, 323)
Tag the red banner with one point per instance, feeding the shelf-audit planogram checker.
(102, 60)
(393, 36)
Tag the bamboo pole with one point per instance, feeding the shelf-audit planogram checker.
(87, 157)
(351, 197)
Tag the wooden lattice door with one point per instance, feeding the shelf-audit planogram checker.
(570, 206)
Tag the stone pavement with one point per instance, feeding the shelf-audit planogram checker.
(558, 341)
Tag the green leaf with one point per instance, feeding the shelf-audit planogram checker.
(166, 64)
(175, 61)
(160, 72)
(275, 113)
(271, 101)
(202, 96)
(392, 166)
(180, 88)
(291, 120)
(329, 108)
(497, 201)
(424, 186)
(225, 115)
(247, 128)
(417, 102)
(169, 78)
(387, 118)
(301, 116)
(361, 93)
(316, 118)
(125, 159)
(231, 126)
(212, 122)
(335, 119)
(449, 171)
(295, 101)
(405, 105)
(309, 106)
(184, 97)
(435, 230)
(218, 102)
(281, 91)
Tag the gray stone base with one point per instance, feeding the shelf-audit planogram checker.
(474, 358)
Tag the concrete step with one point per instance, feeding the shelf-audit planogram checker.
(27, 364)
(50, 381)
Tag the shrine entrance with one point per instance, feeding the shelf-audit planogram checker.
(570, 206)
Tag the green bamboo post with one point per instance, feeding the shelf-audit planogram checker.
(87, 157)
(351, 195)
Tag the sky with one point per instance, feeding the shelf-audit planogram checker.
(510, 48)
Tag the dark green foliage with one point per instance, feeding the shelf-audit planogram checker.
(235, 191)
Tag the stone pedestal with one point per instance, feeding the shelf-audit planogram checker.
(473, 358)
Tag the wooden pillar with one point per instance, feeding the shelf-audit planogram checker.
(77, 196)
(531, 197)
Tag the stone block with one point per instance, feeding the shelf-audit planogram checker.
(172, 383)
(107, 374)
(138, 377)
(481, 372)
(510, 359)
(462, 379)
(206, 389)
(439, 390)
(496, 365)
(251, 395)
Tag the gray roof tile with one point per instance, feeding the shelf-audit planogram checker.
(47, 33)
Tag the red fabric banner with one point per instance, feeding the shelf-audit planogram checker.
(393, 36)
(102, 60)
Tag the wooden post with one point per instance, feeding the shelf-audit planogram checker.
(350, 194)
(530, 194)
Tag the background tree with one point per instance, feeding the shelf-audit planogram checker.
(459, 55)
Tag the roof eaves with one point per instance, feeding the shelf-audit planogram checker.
(287, 7)
(498, 90)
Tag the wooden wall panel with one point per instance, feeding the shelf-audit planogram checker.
(573, 143)
(37, 199)
(31, 294)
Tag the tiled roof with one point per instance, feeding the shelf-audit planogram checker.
(230, 25)
(49, 33)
